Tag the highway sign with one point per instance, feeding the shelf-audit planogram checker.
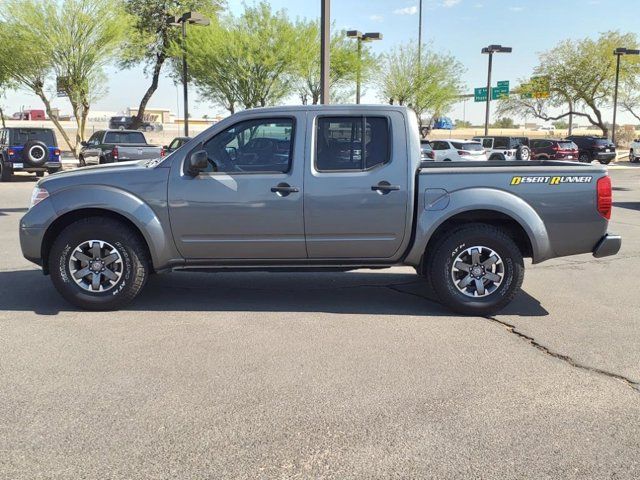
(480, 94)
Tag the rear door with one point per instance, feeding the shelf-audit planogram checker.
(249, 202)
(357, 187)
(92, 151)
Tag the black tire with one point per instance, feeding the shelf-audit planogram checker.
(498, 156)
(447, 160)
(133, 268)
(523, 153)
(605, 162)
(102, 160)
(5, 172)
(584, 157)
(439, 268)
(35, 153)
(39, 174)
(82, 162)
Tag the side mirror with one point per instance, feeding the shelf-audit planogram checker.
(166, 147)
(84, 144)
(198, 161)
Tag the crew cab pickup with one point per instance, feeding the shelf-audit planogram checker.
(109, 146)
(314, 187)
(27, 149)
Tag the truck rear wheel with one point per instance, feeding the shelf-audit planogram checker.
(476, 269)
(98, 264)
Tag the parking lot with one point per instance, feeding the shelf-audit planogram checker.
(324, 375)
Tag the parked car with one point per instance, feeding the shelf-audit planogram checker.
(458, 150)
(443, 123)
(175, 144)
(108, 146)
(426, 151)
(634, 151)
(594, 148)
(547, 149)
(505, 148)
(314, 187)
(126, 123)
(30, 115)
(28, 149)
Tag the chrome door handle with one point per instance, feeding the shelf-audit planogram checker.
(385, 187)
(284, 189)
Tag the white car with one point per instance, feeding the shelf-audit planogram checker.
(454, 150)
(634, 152)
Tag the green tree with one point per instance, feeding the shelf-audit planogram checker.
(430, 85)
(463, 124)
(344, 64)
(504, 122)
(580, 76)
(151, 36)
(72, 40)
(247, 61)
(561, 124)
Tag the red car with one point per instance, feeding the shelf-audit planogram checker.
(547, 149)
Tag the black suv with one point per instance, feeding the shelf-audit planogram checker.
(594, 148)
(28, 149)
(124, 123)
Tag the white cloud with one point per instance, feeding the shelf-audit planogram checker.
(516, 9)
(376, 18)
(406, 10)
(450, 3)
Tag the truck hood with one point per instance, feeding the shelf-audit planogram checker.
(107, 174)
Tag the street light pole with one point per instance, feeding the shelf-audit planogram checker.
(618, 52)
(193, 18)
(325, 57)
(420, 32)
(360, 37)
(490, 50)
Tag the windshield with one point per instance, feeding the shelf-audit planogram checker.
(24, 135)
(124, 137)
(603, 141)
(567, 146)
(469, 146)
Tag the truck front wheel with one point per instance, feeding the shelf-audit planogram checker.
(98, 264)
(475, 269)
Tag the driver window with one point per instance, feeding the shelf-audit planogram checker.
(252, 146)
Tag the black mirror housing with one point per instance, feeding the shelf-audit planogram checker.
(198, 161)
(84, 144)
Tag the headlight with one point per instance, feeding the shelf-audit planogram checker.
(37, 196)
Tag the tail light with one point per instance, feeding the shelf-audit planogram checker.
(431, 155)
(11, 152)
(463, 152)
(114, 154)
(605, 197)
(56, 152)
(555, 147)
(163, 152)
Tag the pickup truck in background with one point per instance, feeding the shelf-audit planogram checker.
(109, 146)
(315, 187)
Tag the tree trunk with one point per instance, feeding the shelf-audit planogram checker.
(139, 118)
(4, 125)
(47, 106)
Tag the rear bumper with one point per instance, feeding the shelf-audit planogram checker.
(604, 156)
(607, 246)
(44, 168)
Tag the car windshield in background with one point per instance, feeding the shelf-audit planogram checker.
(124, 137)
(22, 136)
(470, 146)
(516, 142)
(603, 141)
(567, 146)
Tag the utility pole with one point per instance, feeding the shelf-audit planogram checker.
(491, 49)
(325, 57)
(360, 37)
(618, 52)
(420, 33)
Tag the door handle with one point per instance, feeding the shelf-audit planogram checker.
(284, 189)
(385, 187)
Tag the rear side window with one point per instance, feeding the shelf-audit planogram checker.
(352, 143)
(24, 135)
(439, 145)
(602, 141)
(567, 146)
(501, 143)
(124, 137)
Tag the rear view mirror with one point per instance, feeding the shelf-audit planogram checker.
(198, 161)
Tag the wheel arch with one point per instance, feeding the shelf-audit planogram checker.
(494, 207)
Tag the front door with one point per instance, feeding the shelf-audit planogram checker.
(249, 202)
(357, 187)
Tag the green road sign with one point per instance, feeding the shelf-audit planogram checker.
(480, 94)
(504, 84)
(499, 92)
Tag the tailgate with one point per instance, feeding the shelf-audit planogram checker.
(138, 152)
(563, 194)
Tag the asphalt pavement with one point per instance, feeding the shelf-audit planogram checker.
(324, 375)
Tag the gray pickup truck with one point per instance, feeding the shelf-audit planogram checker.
(314, 187)
(109, 146)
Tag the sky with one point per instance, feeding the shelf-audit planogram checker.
(458, 27)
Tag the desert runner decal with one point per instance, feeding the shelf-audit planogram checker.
(551, 180)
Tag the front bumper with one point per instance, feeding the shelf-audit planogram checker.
(607, 246)
(33, 226)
